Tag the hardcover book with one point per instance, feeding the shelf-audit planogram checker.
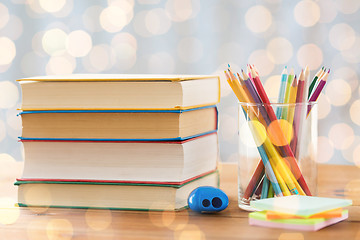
(116, 91)
(118, 124)
(125, 196)
(120, 161)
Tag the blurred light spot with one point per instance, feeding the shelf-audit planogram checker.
(352, 55)
(161, 63)
(4, 15)
(279, 50)
(348, 6)
(9, 94)
(13, 29)
(175, 221)
(190, 49)
(342, 36)
(287, 129)
(57, 229)
(115, 17)
(325, 150)
(258, 19)
(245, 135)
(258, 131)
(9, 214)
(78, 43)
(262, 62)
(53, 41)
(36, 9)
(341, 135)
(328, 11)
(228, 127)
(2, 132)
(36, 229)
(7, 50)
(291, 236)
(348, 153)
(91, 18)
(190, 231)
(310, 55)
(307, 13)
(355, 112)
(59, 65)
(338, 92)
(324, 106)
(157, 22)
(182, 10)
(52, 6)
(98, 220)
(101, 57)
(272, 86)
(347, 73)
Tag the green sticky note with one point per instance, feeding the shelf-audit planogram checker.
(300, 205)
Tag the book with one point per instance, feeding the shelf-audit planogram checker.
(305, 224)
(300, 205)
(120, 161)
(125, 196)
(115, 91)
(119, 124)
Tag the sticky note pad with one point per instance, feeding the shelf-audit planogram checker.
(309, 224)
(300, 205)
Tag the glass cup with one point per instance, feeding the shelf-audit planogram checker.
(277, 150)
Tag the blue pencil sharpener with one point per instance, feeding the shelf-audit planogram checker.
(208, 199)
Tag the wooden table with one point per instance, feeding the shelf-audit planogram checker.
(232, 223)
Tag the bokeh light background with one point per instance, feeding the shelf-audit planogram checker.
(39, 37)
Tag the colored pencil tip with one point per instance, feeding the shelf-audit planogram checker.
(285, 67)
(228, 65)
(329, 70)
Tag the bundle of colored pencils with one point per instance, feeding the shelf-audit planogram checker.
(278, 172)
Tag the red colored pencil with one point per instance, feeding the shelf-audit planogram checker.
(286, 148)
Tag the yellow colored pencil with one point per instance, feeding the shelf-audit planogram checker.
(292, 100)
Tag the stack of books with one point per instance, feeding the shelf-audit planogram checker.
(118, 141)
(304, 213)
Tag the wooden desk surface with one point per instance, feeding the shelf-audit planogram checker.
(232, 223)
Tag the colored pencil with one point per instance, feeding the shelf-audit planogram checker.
(281, 91)
(317, 91)
(289, 81)
(313, 83)
(292, 100)
(260, 148)
(280, 135)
